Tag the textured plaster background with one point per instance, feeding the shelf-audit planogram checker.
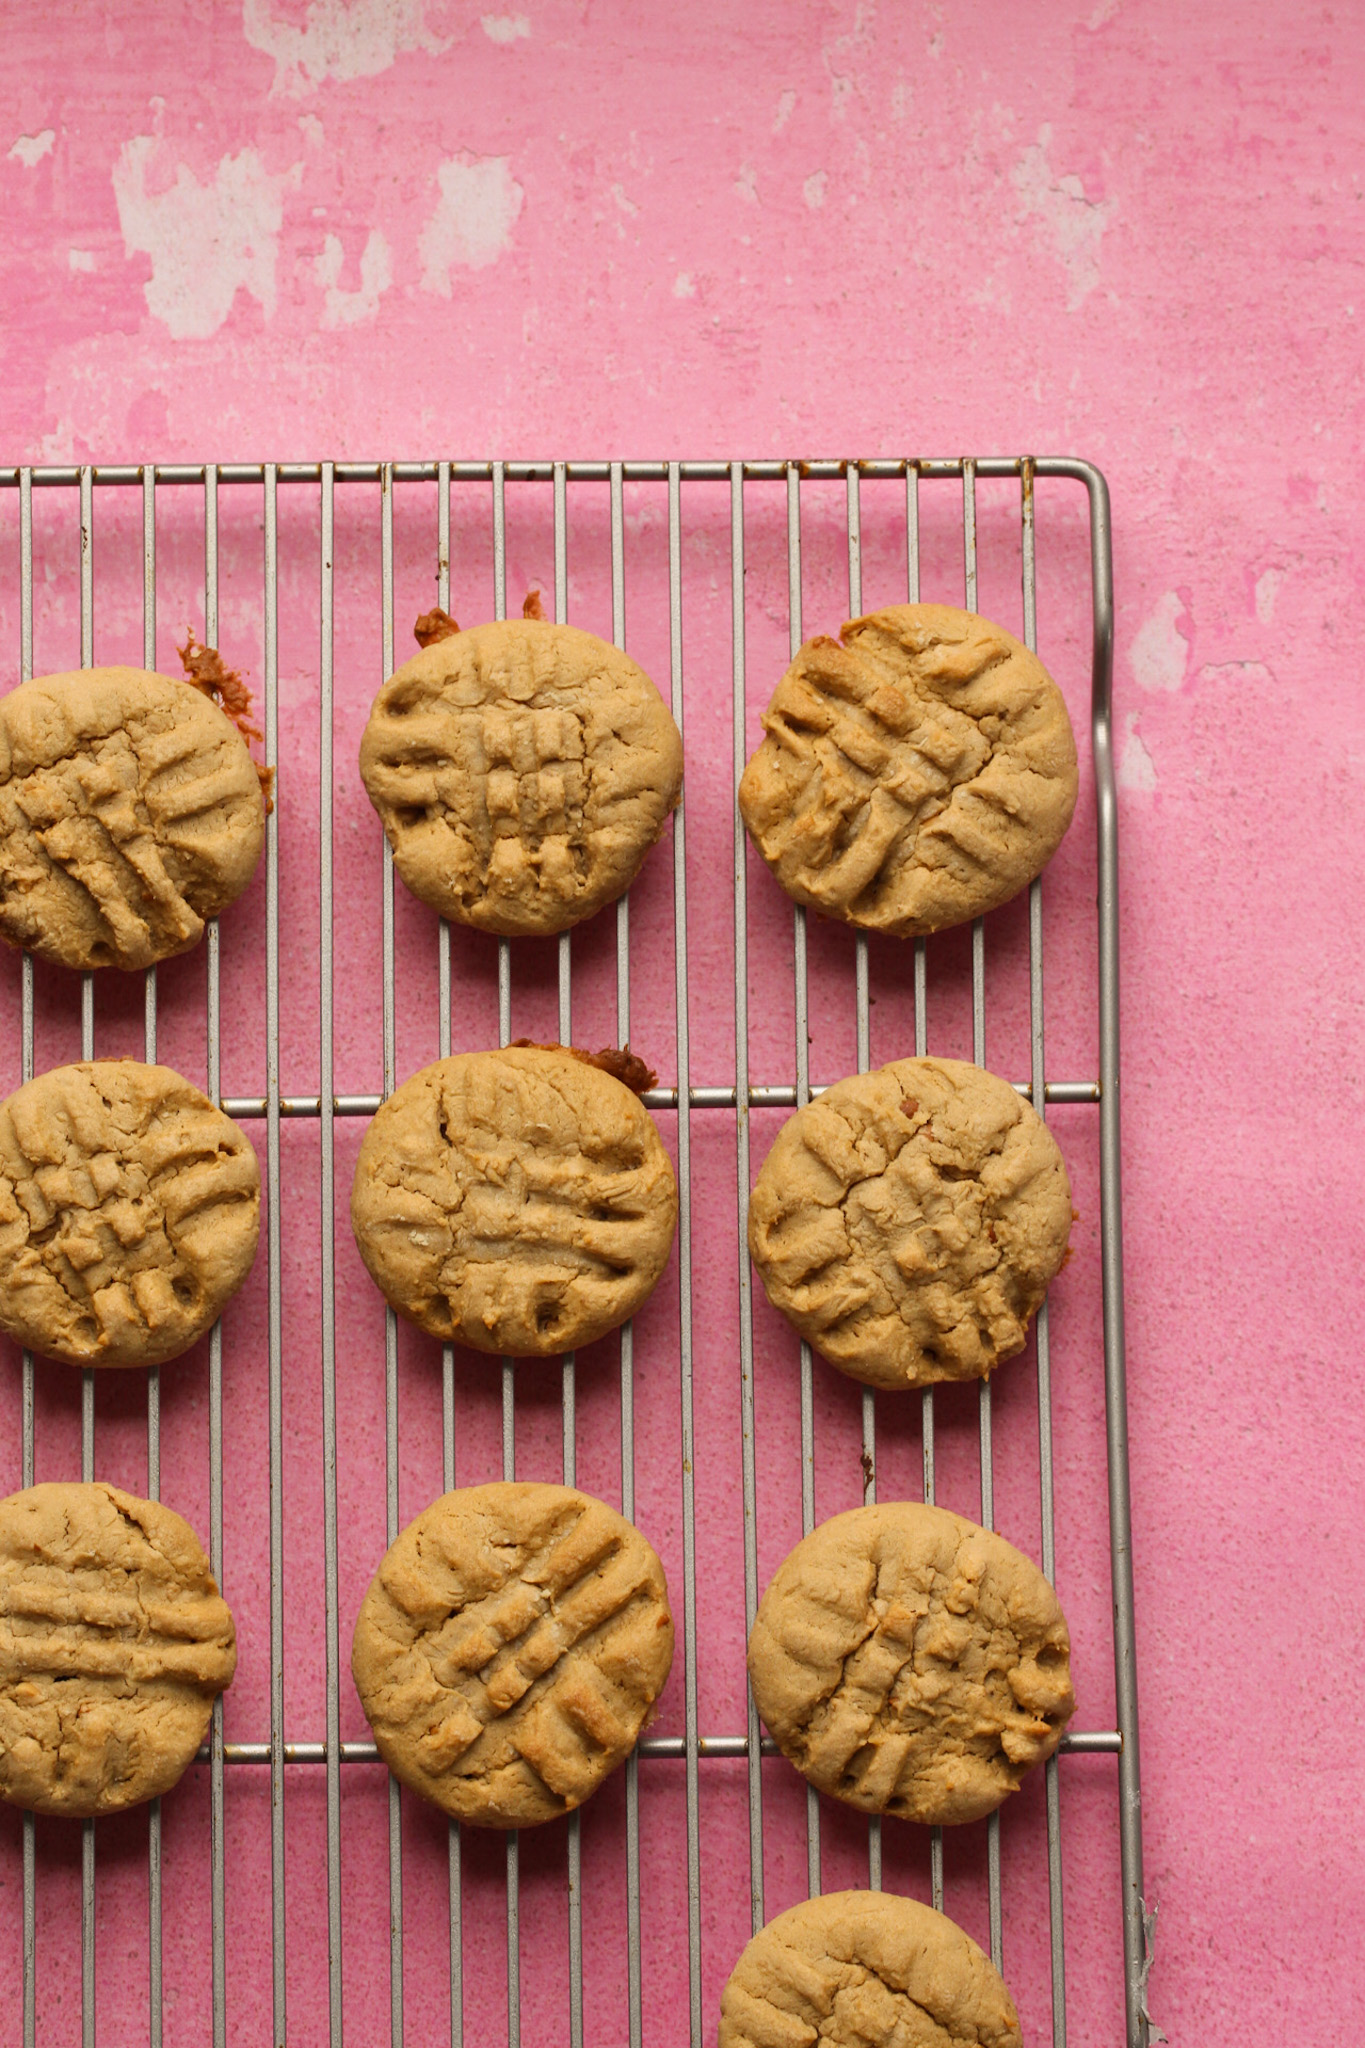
(1128, 229)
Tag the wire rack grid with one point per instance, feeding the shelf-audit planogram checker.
(740, 1099)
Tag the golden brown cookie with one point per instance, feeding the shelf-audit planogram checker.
(130, 812)
(916, 772)
(910, 1663)
(522, 772)
(510, 1650)
(908, 1221)
(129, 1212)
(114, 1644)
(852, 1969)
(519, 1201)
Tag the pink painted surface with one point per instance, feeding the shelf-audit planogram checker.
(1124, 230)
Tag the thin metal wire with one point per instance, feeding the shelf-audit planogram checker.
(88, 1988)
(30, 1844)
(213, 1088)
(1042, 1328)
(391, 1464)
(863, 1024)
(327, 1274)
(509, 1386)
(634, 1987)
(799, 971)
(154, 1991)
(278, 1912)
(448, 1350)
(742, 1179)
(688, 1445)
(921, 974)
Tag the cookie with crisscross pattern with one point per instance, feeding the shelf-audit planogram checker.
(519, 1201)
(510, 1650)
(130, 1208)
(130, 814)
(114, 1643)
(915, 772)
(522, 771)
(854, 1968)
(909, 1662)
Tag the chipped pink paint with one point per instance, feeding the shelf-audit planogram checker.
(1129, 230)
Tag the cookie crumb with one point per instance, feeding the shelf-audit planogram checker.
(208, 673)
(433, 626)
(619, 1061)
(531, 606)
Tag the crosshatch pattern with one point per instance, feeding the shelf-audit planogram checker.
(288, 1890)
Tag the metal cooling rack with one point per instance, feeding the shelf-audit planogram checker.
(691, 1748)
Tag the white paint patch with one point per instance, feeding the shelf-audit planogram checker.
(900, 100)
(627, 205)
(339, 39)
(206, 242)
(80, 259)
(1137, 770)
(504, 28)
(312, 130)
(1106, 11)
(683, 287)
(814, 189)
(786, 107)
(472, 225)
(1267, 590)
(746, 184)
(344, 309)
(1160, 651)
(31, 149)
(1074, 222)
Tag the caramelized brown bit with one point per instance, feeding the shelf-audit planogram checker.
(909, 1107)
(433, 626)
(207, 672)
(619, 1061)
(531, 607)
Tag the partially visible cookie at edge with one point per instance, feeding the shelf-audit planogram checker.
(114, 1644)
(909, 1662)
(857, 1967)
(521, 770)
(130, 1208)
(130, 813)
(518, 1201)
(909, 1221)
(915, 773)
(511, 1649)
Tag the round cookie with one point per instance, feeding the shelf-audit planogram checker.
(130, 812)
(852, 1968)
(908, 1222)
(129, 1212)
(510, 1650)
(517, 1201)
(522, 772)
(915, 773)
(114, 1644)
(908, 1662)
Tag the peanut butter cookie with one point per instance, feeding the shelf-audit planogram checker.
(129, 1212)
(130, 813)
(853, 1968)
(518, 1201)
(522, 771)
(916, 772)
(511, 1649)
(114, 1644)
(908, 1222)
(910, 1663)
